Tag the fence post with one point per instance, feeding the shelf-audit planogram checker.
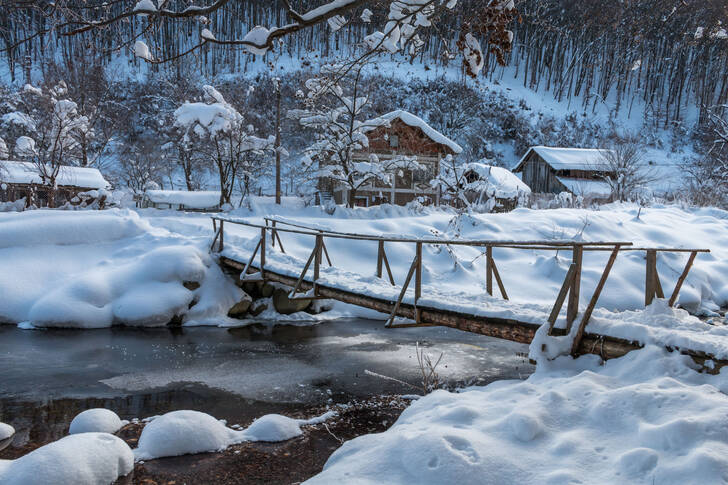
(489, 270)
(380, 250)
(573, 308)
(317, 259)
(650, 269)
(418, 274)
(222, 234)
(262, 251)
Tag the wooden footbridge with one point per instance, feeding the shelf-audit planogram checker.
(308, 283)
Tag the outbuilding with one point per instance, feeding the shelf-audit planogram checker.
(20, 180)
(580, 171)
(198, 200)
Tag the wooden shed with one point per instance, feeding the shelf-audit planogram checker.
(580, 171)
(20, 180)
(198, 200)
(396, 134)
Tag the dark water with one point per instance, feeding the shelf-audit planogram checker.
(49, 376)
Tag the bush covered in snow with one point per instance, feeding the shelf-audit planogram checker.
(96, 420)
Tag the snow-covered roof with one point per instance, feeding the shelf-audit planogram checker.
(411, 120)
(586, 188)
(505, 183)
(202, 199)
(27, 173)
(561, 158)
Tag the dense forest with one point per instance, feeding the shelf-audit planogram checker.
(669, 54)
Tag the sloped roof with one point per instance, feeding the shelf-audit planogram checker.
(201, 199)
(411, 120)
(27, 173)
(560, 158)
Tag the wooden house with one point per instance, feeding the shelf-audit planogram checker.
(199, 200)
(580, 171)
(396, 134)
(20, 180)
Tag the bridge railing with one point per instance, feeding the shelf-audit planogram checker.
(570, 287)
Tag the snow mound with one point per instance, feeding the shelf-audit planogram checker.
(96, 420)
(79, 459)
(65, 228)
(188, 432)
(645, 418)
(145, 291)
(6, 431)
(181, 433)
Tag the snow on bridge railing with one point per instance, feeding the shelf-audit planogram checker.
(571, 286)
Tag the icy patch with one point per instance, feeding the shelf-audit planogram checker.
(96, 420)
(79, 459)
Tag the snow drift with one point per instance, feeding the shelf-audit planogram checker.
(644, 418)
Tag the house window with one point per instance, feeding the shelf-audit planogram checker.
(394, 141)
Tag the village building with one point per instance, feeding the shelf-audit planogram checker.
(21, 180)
(483, 184)
(392, 135)
(200, 200)
(552, 170)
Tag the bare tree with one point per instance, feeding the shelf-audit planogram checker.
(625, 169)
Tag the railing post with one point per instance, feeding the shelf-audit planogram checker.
(681, 280)
(272, 234)
(222, 235)
(650, 267)
(380, 250)
(572, 310)
(262, 252)
(418, 274)
(489, 269)
(317, 259)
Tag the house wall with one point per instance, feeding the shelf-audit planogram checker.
(39, 193)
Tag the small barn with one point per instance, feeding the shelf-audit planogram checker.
(199, 200)
(580, 171)
(20, 180)
(394, 134)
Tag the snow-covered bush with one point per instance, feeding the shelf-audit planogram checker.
(96, 420)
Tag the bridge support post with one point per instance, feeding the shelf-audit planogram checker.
(572, 310)
(380, 250)
(222, 235)
(317, 262)
(489, 270)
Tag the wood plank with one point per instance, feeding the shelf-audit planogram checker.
(386, 265)
(593, 301)
(681, 279)
(568, 282)
(489, 270)
(650, 264)
(380, 248)
(411, 271)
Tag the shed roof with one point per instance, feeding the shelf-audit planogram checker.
(411, 120)
(561, 158)
(27, 173)
(200, 199)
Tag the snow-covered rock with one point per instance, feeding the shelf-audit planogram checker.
(273, 427)
(6, 431)
(181, 433)
(96, 420)
(79, 459)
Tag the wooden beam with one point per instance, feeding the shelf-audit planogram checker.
(326, 251)
(650, 265)
(593, 302)
(380, 249)
(488, 270)
(262, 252)
(572, 309)
(498, 280)
(222, 235)
(386, 265)
(317, 262)
(568, 282)
(681, 279)
(411, 271)
(250, 261)
(303, 273)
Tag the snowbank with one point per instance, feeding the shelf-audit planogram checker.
(79, 459)
(188, 432)
(97, 269)
(96, 420)
(644, 418)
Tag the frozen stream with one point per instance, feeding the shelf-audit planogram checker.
(50, 375)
